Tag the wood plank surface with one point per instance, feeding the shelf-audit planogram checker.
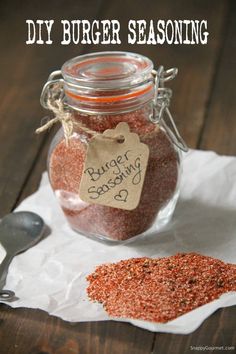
(201, 91)
(219, 133)
(24, 69)
(35, 332)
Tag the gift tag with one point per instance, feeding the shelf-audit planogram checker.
(115, 168)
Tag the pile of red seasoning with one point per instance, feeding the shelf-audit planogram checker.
(160, 290)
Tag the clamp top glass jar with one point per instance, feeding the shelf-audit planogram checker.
(96, 92)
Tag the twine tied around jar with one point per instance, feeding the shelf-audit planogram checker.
(66, 120)
(60, 116)
(56, 104)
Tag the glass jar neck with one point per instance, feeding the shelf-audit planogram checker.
(93, 101)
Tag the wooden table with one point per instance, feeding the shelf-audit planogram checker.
(204, 106)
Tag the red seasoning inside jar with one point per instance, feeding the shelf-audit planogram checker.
(103, 90)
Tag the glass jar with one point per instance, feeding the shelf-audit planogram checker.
(98, 91)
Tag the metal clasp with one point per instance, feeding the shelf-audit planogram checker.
(57, 92)
(161, 103)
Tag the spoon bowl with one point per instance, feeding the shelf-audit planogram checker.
(18, 232)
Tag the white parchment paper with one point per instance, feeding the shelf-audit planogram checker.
(51, 275)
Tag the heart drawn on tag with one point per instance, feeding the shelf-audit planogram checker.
(114, 169)
(122, 195)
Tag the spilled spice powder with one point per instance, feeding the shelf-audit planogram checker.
(160, 290)
(66, 168)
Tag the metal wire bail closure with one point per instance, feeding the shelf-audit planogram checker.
(54, 89)
(57, 84)
(161, 103)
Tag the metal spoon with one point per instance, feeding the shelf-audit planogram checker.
(18, 232)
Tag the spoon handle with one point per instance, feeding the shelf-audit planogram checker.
(5, 295)
(4, 269)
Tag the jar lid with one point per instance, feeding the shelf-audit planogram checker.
(108, 70)
(108, 82)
